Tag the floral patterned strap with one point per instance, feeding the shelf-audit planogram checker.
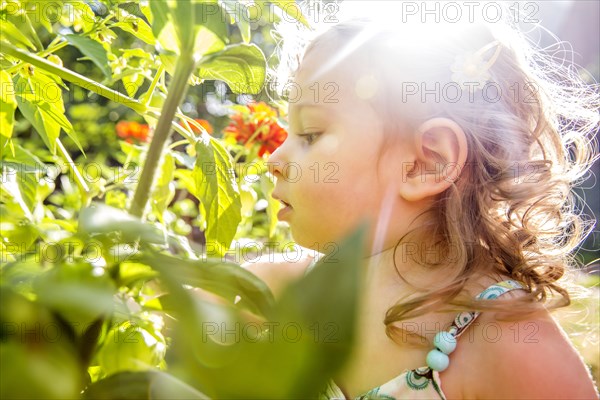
(466, 318)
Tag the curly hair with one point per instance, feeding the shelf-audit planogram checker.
(531, 139)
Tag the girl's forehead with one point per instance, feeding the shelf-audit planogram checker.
(326, 80)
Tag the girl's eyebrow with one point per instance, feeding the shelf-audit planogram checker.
(309, 106)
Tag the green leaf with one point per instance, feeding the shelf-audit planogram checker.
(45, 113)
(10, 33)
(36, 112)
(225, 279)
(218, 191)
(207, 42)
(138, 28)
(145, 8)
(100, 218)
(241, 66)
(22, 23)
(132, 272)
(19, 187)
(132, 86)
(91, 49)
(239, 13)
(155, 385)
(23, 157)
(160, 14)
(8, 105)
(164, 191)
(53, 358)
(76, 291)
(184, 19)
(212, 17)
(186, 178)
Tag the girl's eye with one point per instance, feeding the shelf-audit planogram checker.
(309, 138)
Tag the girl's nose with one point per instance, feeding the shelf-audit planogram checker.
(277, 160)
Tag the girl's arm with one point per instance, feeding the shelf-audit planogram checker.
(278, 272)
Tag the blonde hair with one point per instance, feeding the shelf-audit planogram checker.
(513, 206)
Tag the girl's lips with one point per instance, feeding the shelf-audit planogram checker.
(284, 212)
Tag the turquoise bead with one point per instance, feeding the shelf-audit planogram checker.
(437, 360)
(445, 342)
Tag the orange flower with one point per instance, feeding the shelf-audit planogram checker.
(257, 123)
(204, 123)
(132, 130)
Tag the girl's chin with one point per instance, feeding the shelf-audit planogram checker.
(309, 241)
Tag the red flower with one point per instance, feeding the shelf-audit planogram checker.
(257, 123)
(204, 123)
(132, 130)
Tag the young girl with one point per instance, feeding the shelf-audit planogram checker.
(458, 144)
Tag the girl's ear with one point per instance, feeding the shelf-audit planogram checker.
(438, 159)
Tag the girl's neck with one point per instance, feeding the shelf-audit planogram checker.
(383, 269)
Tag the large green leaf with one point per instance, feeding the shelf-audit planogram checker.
(225, 279)
(93, 50)
(241, 66)
(199, 27)
(198, 312)
(218, 193)
(8, 104)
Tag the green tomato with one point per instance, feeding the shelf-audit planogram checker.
(158, 99)
(185, 208)
(131, 348)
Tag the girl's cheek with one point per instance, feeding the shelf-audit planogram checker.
(329, 145)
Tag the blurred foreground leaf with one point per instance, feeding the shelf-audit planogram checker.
(294, 354)
(153, 385)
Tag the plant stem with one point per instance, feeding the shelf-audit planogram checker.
(150, 91)
(73, 77)
(44, 53)
(79, 179)
(177, 88)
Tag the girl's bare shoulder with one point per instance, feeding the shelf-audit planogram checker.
(278, 271)
(531, 358)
